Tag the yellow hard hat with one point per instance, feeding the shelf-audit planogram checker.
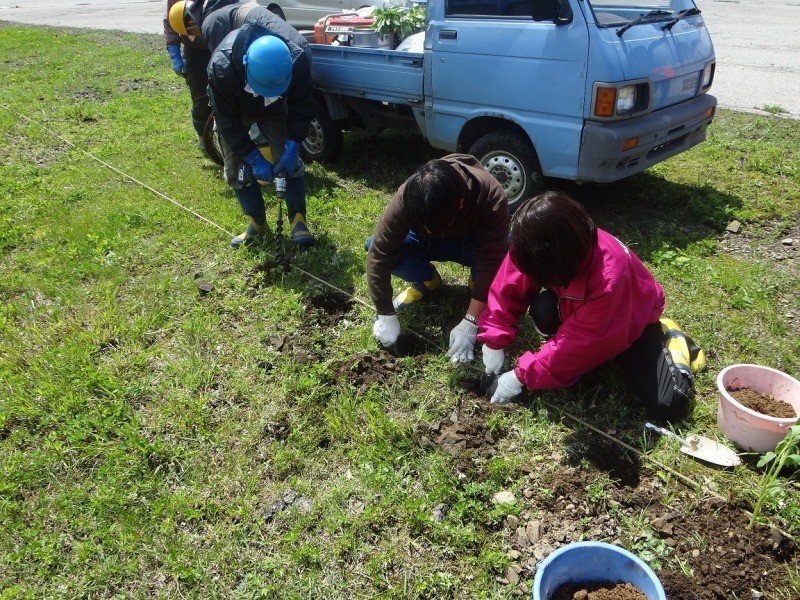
(176, 18)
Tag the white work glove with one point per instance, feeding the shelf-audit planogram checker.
(493, 360)
(387, 329)
(462, 340)
(508, 387)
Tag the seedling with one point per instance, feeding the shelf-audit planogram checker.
(786, 453)
(400, 21)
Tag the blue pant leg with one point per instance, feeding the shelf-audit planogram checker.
(416, 254)
(413, 263)
(458, 250)
(296, 194)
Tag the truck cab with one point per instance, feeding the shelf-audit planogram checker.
(587, 90)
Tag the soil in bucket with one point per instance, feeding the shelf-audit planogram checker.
(763, 403)
(598, 590)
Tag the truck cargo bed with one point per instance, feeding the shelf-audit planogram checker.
(369, 73)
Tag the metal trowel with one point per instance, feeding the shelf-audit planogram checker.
(701, 447)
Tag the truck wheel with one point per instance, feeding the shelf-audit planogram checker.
(511, 159)
(210, 141)
(324, 140)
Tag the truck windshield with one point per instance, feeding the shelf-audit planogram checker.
(616, 13)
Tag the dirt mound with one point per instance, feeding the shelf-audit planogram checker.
(366, 369)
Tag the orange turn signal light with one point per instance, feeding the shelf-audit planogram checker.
(709, 112)
(604, 102)
(630, 143)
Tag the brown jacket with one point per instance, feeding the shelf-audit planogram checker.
(484, 218)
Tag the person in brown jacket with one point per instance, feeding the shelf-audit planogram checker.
(450, 210)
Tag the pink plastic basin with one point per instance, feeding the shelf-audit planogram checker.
(745, 427)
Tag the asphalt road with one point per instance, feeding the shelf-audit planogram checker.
(757, 42)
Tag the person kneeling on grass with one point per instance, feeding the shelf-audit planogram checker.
(593, 300)
(451, 209)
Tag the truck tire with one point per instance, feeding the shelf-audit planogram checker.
(324, 140)
(511, 159)
(210, 141)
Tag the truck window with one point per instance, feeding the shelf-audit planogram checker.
(612, 13)
(490, 8)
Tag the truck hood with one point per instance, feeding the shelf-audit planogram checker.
(672, 59)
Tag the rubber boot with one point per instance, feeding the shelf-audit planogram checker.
(296, 208)
(252, 204)
(686, 354)
(418, 290)
(253, 234)
(300, 233)
(199, 127)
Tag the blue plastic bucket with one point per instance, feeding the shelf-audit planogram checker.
(586, 562)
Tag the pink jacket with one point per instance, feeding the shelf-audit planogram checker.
(603, 310)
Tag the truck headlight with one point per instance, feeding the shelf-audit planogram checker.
(613, 101)
(708, 75)
(626, 100)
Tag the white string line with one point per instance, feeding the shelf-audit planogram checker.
(117, 171)
(190, 211)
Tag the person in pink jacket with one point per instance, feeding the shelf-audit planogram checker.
(590, 297)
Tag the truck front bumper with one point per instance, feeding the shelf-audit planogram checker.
(660, 134)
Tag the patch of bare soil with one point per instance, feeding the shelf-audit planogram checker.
(719, 556)
(599, 591)
(408, 344)
(331, 306)
(763, 403)
(465, 435)
(366, 369)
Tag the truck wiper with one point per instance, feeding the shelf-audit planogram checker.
(689, 12)
(642, 18)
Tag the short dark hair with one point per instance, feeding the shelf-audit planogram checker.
(551, 234)
(432, 194)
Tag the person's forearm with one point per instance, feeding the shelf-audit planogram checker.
(476, 307)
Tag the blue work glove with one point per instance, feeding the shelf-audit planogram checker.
(262, 168)
(288, 162)
(177, 60)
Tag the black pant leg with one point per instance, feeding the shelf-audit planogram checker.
(663, 389)
(544, 312)
(197, 79)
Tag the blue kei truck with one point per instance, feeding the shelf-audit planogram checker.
(586, 90)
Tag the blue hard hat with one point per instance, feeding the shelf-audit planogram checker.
(268, 66)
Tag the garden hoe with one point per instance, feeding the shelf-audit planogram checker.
(701, 447)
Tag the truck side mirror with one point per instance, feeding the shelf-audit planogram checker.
(557, 11)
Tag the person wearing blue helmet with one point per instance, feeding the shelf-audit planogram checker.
(260, 73)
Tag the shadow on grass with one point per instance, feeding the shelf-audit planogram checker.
(384, 159)
(649, 212)
(645, 210)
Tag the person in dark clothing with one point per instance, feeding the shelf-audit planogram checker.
(450, 210)
(260, 73)
(190, 63)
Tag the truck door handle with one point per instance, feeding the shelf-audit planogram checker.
(448, 34)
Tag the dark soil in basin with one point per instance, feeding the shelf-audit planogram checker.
(763, 403)
(604, 590)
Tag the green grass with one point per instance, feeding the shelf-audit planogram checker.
(146, 429)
